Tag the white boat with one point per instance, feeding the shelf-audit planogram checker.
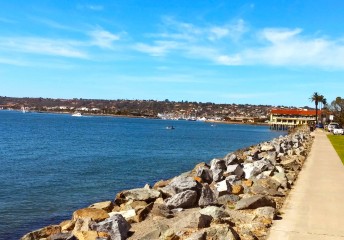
(77, 114)
(23, 110)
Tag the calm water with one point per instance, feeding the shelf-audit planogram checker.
(51, 165)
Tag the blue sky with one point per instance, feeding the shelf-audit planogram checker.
(272, 52)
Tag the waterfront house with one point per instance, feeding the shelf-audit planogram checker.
(282, 119)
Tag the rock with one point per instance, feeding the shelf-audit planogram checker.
(83, 224)
(129, 215)
(67, 225)
(205, 174)
(138, 194)
(267, 147)
(155, 231)
(62, 236)
(161, 210)
(132, 205)
(207, 196)
(169, 235)
(89, 235)
(199, 235)
(184, 199)
(231, 158)
(254, 202)
(192, 220)
(235, 169)
(106, 206)
(217, 175)
(228, 199)
(116, 226)
(248, 183)
(222, 232)
(142, 213)
(218, 164)
(290, 163)
(161, 184)
(239, 216)
(223, 188)
(237, 189)
(214, 212)
(281, 178)
(96, 215)
(267, 186)
(266, 212)
(182, 183)
(250, 170)
(42, 232)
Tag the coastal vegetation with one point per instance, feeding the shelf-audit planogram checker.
(338, 144)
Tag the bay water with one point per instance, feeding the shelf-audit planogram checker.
(54, 164)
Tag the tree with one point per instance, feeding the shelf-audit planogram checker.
(316, 98)
(337, 109)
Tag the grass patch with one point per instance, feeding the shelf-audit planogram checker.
(338, 144)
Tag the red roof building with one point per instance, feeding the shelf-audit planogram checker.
(288, 118)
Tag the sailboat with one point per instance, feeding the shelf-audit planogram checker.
(23, 110)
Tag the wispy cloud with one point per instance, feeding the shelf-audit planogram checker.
(236, 44)
(92, 7)
(103, 38)
(43, 46)
(158, 48)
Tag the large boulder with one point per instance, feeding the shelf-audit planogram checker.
(184, 199)
(222, 231)
(137, 194)
(94, 214)
(42, 233)
(218, 164)
(192, 220)
(183, 183)
(116, 226)
(254, 202)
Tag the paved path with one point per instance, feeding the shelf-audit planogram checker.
(315, 207)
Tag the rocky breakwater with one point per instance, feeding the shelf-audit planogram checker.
(234, 197)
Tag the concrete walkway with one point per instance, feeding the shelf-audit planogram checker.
(315, 207)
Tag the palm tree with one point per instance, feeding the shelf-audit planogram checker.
(316, 98)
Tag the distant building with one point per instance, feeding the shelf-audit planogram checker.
(282, 119)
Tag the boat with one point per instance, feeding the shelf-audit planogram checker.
(23, 110)
(170, 127)
(77, 114)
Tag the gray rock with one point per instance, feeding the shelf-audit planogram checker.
(116, 226)
(254, 202)
(214, 212)
(235, 169)
(222, 232)
(229, 198)
(161, 210)
(281, 178)
(192, 220)
(137, 194)
(184, 199)
(266, 212)
(155, 231)
(218, 164)
(231, 158)
(207, 197)
(240, 216)
(183, 183)
(217, 174)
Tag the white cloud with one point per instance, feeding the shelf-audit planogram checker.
(103, 39)
(158, 49)
(43, 46)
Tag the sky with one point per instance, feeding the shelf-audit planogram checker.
(271, 52)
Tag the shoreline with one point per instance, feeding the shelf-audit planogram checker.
(143, 117)
(159, 201)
